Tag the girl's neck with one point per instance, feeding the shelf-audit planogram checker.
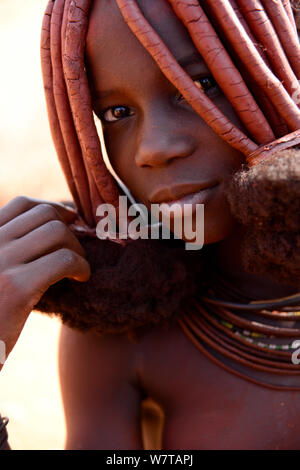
(227, 259)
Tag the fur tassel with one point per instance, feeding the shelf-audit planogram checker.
(266, 200)
(145, 283)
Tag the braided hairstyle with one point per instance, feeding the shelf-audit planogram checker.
(252, 49)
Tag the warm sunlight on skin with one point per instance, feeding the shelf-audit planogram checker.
(29, 387)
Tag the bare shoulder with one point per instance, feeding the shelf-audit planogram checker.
(100, 391)
(88, 352)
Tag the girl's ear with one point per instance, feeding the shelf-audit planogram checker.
(266, 200)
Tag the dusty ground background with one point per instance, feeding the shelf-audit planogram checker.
(29, 387)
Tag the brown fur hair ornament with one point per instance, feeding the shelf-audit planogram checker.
(145, 283)
(266, 199)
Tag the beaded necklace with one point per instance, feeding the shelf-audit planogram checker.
(253, 340)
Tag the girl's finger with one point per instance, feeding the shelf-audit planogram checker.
(45, 239)
(49, 270)
(29, 221)
(22, 204)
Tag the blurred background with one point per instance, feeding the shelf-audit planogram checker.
(29, 386)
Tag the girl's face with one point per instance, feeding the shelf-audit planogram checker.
(158, 145)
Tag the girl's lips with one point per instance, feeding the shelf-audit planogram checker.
(186, 205)
(177, 192)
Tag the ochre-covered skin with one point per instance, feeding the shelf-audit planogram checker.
(69, 101)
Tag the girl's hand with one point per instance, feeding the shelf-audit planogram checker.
(37, 249)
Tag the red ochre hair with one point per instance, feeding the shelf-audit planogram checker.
(261, 82)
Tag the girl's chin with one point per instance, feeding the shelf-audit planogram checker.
(207, 231)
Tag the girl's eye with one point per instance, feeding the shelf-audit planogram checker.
(116, 113)
(207, 84)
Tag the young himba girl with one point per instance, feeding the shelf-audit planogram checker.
(198, 101)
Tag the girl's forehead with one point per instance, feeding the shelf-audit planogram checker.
(109, 34)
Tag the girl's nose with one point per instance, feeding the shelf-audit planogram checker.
(162, 141)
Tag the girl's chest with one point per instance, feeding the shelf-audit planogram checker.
(206, 407)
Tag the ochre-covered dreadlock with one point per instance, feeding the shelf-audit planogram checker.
(259, 82)
(69, 106)
(295, 7)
